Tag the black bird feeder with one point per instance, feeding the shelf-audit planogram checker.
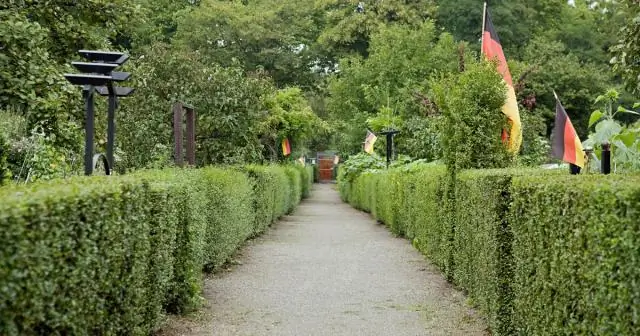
(390, 148)
(98, 76)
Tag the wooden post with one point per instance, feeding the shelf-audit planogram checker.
(191, 136)
(177, 134)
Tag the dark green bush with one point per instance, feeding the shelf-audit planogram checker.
(5, 172)
(294, 175)
(471, 104)
(577, 255)
(108, 255)
(481, 251)
(539, 252)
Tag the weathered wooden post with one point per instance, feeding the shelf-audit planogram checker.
(179, 110)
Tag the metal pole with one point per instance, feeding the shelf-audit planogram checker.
(111, 128)
(606, 159)
(89, 129)
(389, 148)
(575, 170)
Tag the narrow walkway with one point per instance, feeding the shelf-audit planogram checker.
(331, 270)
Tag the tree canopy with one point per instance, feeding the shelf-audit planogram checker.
(319, 72)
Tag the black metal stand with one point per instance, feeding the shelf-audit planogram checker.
(390, 147)
(88, 129)
(98, 76)
(606, 159)
(575, 170)
(111, 126)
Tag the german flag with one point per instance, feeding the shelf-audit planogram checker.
(492, 50)
(566, 144)
(369, 141)
(286, 147)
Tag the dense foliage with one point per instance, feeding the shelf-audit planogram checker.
(108, 255)
(471, 104)
(539, 252)
(353, 65)
(627, 51)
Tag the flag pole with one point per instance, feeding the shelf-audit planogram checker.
(555, 95)
(484, 22)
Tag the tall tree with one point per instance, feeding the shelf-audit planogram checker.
(517, 21)
(268, 35)
(627, 51)
(349, 25)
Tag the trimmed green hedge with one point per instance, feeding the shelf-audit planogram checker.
(577, 255)
(107, 255)
(5, 173)
(539, 252)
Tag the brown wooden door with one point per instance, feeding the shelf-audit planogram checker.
(326, 169)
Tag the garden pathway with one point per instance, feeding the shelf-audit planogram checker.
(330, 270)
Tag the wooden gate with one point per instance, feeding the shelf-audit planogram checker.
(325, 166)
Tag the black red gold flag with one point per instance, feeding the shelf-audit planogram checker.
(492, 50)
(566, 143)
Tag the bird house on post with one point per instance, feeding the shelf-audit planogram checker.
(98, 76)
(181, 110)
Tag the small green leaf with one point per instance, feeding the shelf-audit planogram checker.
(636, 105)
(595, 117)
(624, 110)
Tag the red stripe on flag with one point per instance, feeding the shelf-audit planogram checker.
(569, 142)
(492, 49)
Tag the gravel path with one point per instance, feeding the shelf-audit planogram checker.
(331, 270)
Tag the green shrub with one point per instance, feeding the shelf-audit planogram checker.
(294, 176)
(308, 179)
(481, 248)
(229, 212)
(5, 172)
(539, 252)
(107, 255)
(471, 104)
(576, 246)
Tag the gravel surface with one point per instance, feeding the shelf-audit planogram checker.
(330, 270)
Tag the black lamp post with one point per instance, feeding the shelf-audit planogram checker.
(390, 148)
(99, 76)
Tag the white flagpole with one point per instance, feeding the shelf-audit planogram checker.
(484, 19)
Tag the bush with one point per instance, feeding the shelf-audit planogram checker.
(539, 252)
(471, 104)
(294, 176)
(5, 172)
(576, 247)
(307, 180)
(107, 255)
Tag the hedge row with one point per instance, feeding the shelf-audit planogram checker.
(4, 167)
(109, 255)
(539, 252)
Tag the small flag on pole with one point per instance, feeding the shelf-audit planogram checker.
(566, 144)
(369, 142)
(492, 50)
(286, 147)
(336, 160)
